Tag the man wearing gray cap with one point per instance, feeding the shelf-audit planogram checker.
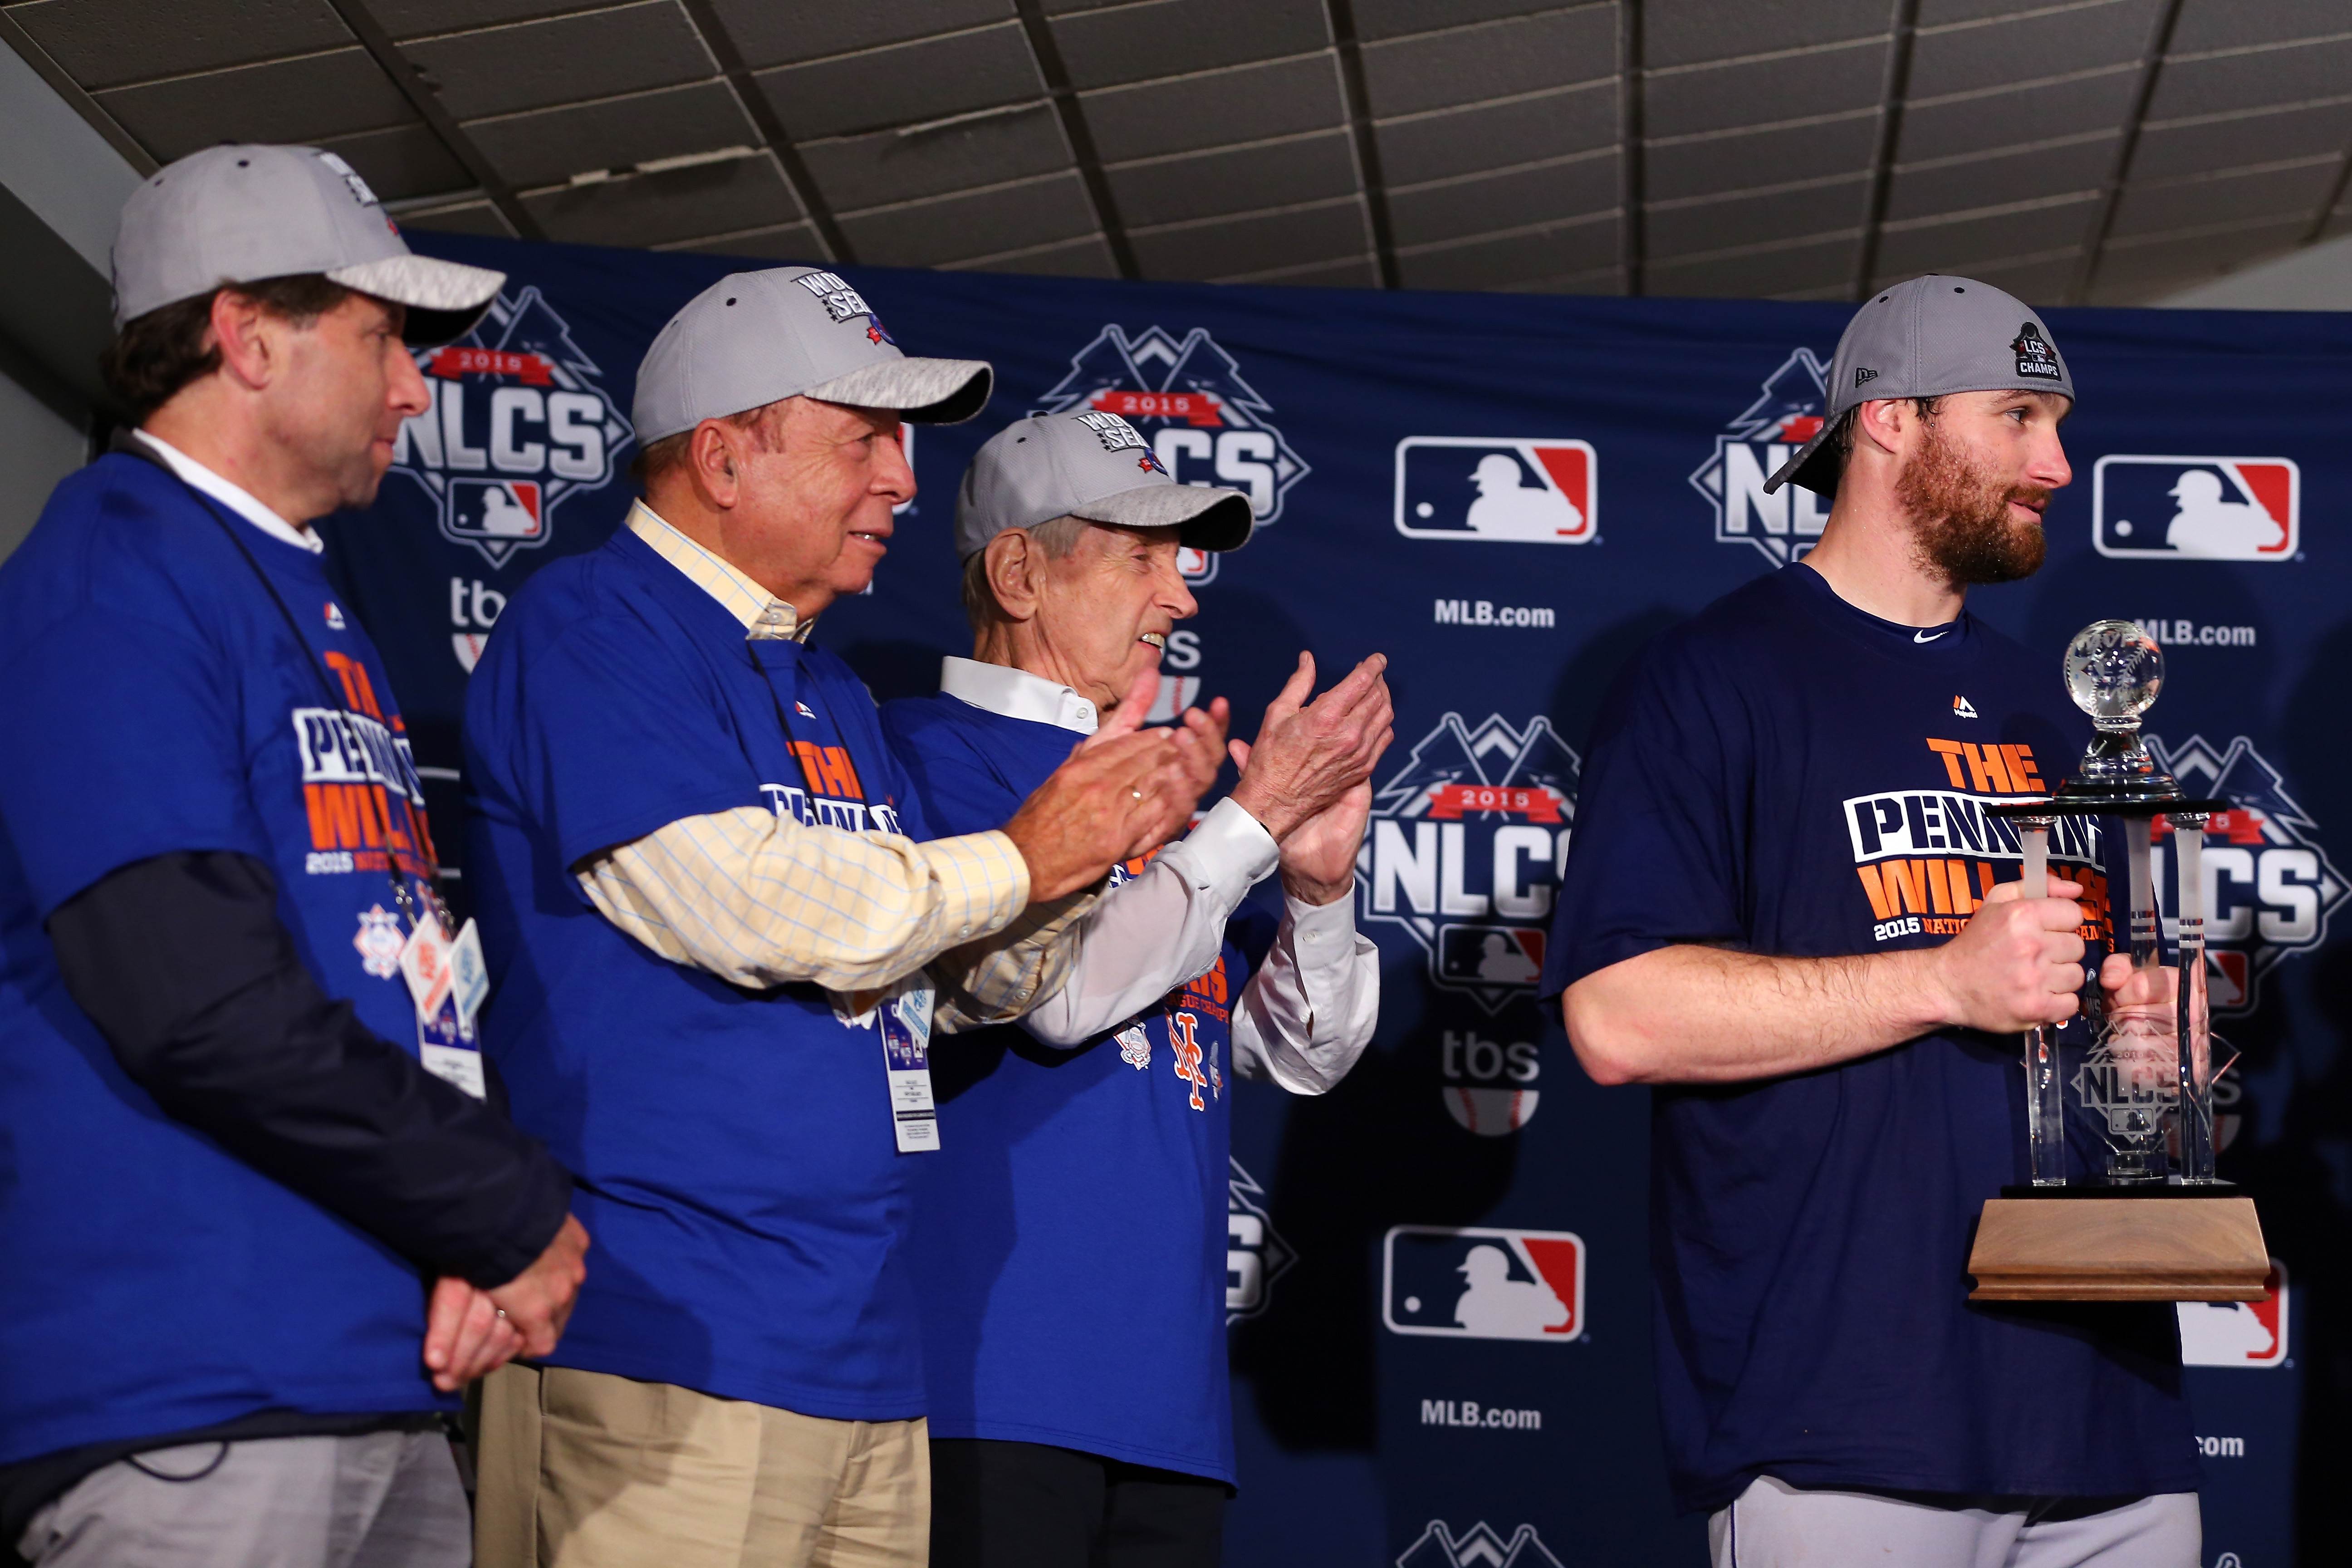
(1078, 1209)
(723, 932)
(259, 1223)
(1784, 909)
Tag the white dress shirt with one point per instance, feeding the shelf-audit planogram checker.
(237, 497)
(1307, 1012)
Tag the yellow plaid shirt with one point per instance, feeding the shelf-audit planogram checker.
(762, 900)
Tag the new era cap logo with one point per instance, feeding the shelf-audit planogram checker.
(1861, 375)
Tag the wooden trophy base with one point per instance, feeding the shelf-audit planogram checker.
(2088, 1244)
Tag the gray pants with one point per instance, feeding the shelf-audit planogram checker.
(1775, 1525)
(382, 1499)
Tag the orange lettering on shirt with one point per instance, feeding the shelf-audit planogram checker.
(1950, 751)
(357, 689)
(804, 752)
(1985, 771)
(339, 818)
(1882, 897)
(1907, 884)
(840, 778)
(2023, 779)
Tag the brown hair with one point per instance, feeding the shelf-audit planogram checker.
(154, 355)
(1842, 438)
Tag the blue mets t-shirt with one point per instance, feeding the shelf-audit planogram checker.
(1070, 1237)
(1788, 774)
(733, 1149)
(156, 700)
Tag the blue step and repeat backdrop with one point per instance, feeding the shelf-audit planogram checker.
(1508, 495)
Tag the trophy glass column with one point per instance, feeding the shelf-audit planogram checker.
(2144, 1088)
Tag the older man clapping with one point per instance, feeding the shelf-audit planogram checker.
(1070, 1242)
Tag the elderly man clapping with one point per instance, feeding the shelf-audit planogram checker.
(1070, 1242)
(721, 925)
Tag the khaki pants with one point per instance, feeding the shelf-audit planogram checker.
(582, 1469)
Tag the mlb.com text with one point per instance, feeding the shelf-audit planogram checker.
(1486, 613)
(1470, 1412)
(2181, 631)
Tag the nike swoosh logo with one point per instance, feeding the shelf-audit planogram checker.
(1923, 637)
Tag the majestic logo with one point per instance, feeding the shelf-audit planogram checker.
(2238, 1333)
(2197, 508)
(379, 942)
(2269, 888)
(1751, 450)
(1256, 1254)
(335, 621)
(520, 423)
(1963, 708)
(1478, 1547)
(1468, 838)
(1529, 491)
(1205, 423)
(2035, 356)
(1474, 1283)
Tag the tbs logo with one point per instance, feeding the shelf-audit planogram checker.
(1474, 1283)
(1526, 492)
(2197, 508)
(2237, 1333)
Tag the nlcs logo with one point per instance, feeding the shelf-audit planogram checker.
(1529, 491)
(1480, 1546)
(2269, 888)
(1751, 448)
(518, 422)
(1468, 838)
(1478, 1284)
(2197, 508)
(1256, 1254)
(1206, 425)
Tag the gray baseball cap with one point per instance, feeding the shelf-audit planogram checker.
(241, 214)
(1923, 339)
(1091, 465)
(755, 338)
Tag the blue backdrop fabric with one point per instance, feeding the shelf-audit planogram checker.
(1508, 494)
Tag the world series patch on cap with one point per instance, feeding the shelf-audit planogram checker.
(1930, 336)
(246, 213)
(1090, 464)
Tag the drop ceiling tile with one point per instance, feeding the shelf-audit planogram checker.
(2169, 151)
(1469, 65)
(1815, 264)
(1746, 92)
(1979, 123)
(1952, 247)
(1165, 37)
(547, 145)
(1717, 225)
(1089, 256)
(2250, 80)
(2192, 204)
(286, 100)
(1236, 179)
(1941, 13)
(471, 218)
(1591, 281)
(906, 84)
(677, 204)
(2016, 176)
(418, 19)
(2040, 282)
(1217, 108)
(1253, 242)
(885, 166)
(2233, 24)
(2049, 44)
(1353, 272)
(2133, 274)
(1498, 260)
(1395, 18)
(1688, 32)
(976, 224)
(106, 43)
(1510, 198)
(402, 162)
(531, 65)
(784, 242)
(1743, 160)
(769, 34)
(1463, 141)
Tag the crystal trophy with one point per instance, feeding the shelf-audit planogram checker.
(2140, 1093)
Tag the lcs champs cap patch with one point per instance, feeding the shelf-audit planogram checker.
(2035, 357)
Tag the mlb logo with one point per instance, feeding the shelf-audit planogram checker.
(1490, 955)
(2237, 1333)
(1197, 565)
(1476, 1283)
(506, 510)
(1521, 490)
(2197, 508)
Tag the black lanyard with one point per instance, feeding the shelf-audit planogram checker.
(403, 898)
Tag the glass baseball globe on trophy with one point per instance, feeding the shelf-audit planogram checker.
(2137, 1097)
